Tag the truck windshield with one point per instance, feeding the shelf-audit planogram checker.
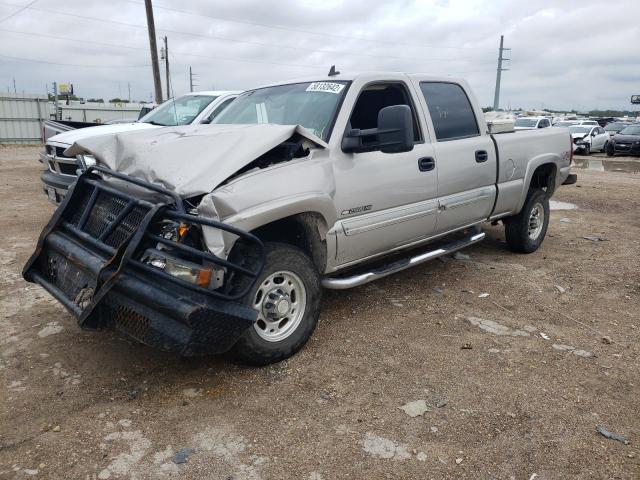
(526, 122)
(312, 105)
(178, 111)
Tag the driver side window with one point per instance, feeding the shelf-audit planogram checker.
(375, 97)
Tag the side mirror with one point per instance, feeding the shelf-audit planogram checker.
(394, 133)
(395, 129)
(593, 134)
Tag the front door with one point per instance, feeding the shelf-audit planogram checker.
(384, 200)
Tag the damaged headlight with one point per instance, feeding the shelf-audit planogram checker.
(202, 275)
(176, 232)
(84, 162)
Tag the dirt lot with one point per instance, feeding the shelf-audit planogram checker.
(514, 384)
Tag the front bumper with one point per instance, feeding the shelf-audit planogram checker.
(628, 149)
(56, 186)
(87, 258)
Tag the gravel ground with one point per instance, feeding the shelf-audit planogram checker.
(509, 385)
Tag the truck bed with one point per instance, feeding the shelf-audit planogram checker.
(519, 153)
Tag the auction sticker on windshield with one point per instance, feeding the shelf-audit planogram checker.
(328, 87)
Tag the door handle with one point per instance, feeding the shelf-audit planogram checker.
(426, 164)
(481, 156)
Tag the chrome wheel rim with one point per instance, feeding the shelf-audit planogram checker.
(536, 221)
(280, 301)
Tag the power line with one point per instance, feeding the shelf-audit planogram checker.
(69, 39)
(248, 42)
(11, 15)
(177, 53)
(298, 30)
(70, 64)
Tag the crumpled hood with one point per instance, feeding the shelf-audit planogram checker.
(192, 159)
(579, 135)
(68, 138)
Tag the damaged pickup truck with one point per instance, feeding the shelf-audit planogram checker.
(219, 238)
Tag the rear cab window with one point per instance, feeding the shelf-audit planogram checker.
(450, 109)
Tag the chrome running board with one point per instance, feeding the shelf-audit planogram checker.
(342, 283)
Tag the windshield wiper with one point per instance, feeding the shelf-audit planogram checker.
(152, 122)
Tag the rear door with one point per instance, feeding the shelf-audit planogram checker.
(465, 156)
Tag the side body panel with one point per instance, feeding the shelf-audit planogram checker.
(520, 155)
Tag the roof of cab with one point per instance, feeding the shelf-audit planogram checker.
(365, 76)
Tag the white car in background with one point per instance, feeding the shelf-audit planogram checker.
(189, 109)
(531, 123)
(588, 138)
(566, 123)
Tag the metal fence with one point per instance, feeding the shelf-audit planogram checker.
(21, 115)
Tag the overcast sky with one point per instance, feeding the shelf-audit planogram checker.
(565, 54)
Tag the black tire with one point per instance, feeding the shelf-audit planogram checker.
(252, 348)
(610, 149)
(517, 228)
(587, 149)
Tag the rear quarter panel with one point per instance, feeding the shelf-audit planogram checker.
(520, 153)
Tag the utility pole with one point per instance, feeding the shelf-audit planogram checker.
(14, 85)
(129, 88)
(191, 84)
(166, 67)
(496, 96)
(55, 98)
(151, 27)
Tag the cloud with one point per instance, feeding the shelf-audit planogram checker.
(565, 54)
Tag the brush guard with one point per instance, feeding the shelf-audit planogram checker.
(88, 258)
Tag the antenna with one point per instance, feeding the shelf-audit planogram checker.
(333, 72)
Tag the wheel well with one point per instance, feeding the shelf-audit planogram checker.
(307, 231)
(544, 178)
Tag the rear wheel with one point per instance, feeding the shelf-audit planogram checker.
(287, 299)
(526, 231)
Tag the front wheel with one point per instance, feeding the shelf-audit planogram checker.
(587, 149)
(610, 149)
(526, 231)
(287, 299)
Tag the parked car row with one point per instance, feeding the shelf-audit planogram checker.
(615, 137)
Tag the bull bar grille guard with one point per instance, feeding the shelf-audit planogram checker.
(93, 243)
